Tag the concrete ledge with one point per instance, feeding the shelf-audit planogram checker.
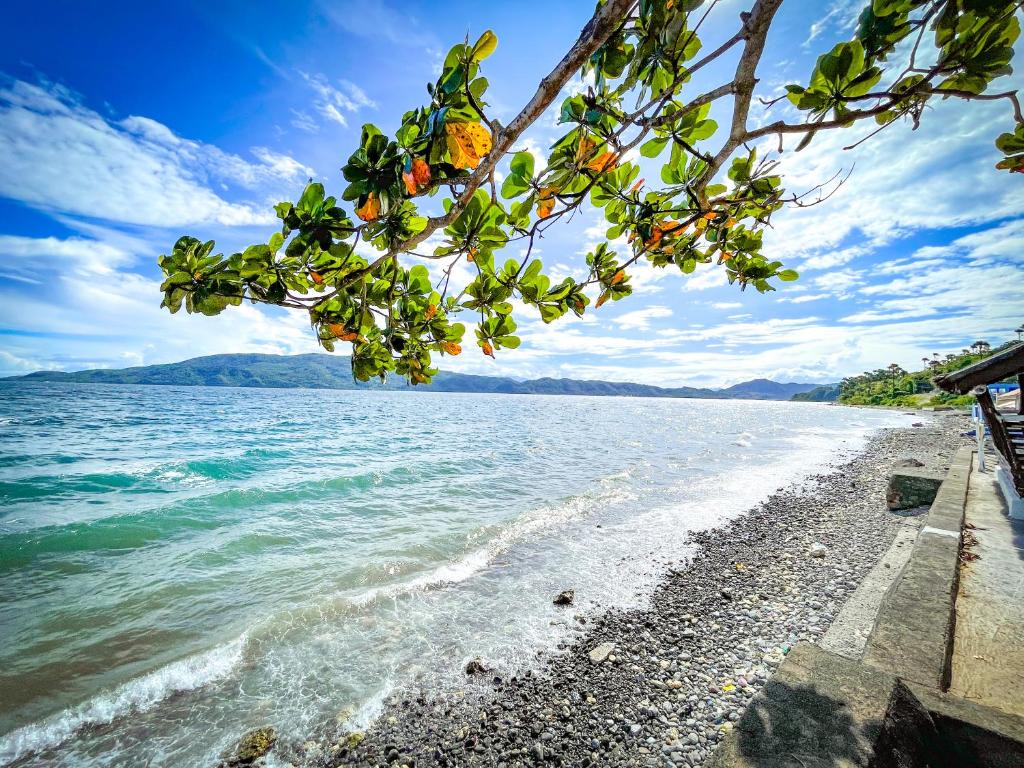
(820, 709)
(913, 633)
(973, 734)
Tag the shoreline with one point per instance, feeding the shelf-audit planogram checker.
(679, 671)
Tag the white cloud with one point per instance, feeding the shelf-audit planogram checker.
(727, 305)
(62, 157)
(841, 15)
(901, 182)
(41, 259)
(640, 319)
(804, 298)
(333, 101)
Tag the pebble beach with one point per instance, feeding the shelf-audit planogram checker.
(661, 685)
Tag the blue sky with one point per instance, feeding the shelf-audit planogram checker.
(124, 125)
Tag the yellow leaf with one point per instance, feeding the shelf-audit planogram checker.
(431, 311)
(485, 46)
(370, 210)
(585, 149)
(451, 347)
(467, 143)
(728, 687)
(488, 349)
(602, 299)
(317, 277)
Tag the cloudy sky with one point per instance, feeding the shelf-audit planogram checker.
(123, 126)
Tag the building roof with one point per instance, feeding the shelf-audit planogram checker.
(1009, 362)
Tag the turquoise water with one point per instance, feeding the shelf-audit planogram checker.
(180, 564)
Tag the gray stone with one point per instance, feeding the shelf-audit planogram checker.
(254, 745)
(601, 652)
(476, 667)
(909, 488)
(565, 597)
(817, 550)
(908, 463)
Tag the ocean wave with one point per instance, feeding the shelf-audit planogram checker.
(527, 526)
(138, 695)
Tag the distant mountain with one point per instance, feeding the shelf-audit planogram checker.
(766, 389)
(826, 393)
(321, 371)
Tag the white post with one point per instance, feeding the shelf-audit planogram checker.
(979, 431)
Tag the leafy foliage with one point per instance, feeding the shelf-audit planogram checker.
(897, 387)
(711, 208)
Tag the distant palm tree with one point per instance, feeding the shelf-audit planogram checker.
(1019, 332)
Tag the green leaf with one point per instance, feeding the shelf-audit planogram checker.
(653, 147)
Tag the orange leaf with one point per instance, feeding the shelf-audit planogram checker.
(618, 277)
(725, 256)
(547, 201)
(340, 332)
(467, 143)
(710, 215)
(317, 277)
(421, 171)
(471, 256)
(603, 163)
(431, 311)
(410, 184)
(488, 349)
(730, 222)
(636, 187)
(451, 347)
(602, 299)
(369, 210)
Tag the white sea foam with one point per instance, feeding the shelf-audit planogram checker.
(136, 695)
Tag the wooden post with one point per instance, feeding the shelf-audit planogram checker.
(1020, 394)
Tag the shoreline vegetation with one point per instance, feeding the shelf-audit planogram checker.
(662, 684)
(896, 387)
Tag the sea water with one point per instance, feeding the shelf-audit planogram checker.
(179, 565)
